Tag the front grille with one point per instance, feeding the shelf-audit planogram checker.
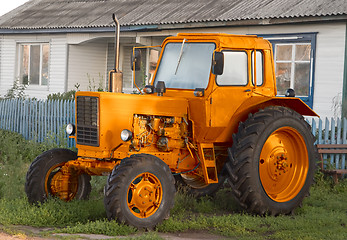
(87, 121)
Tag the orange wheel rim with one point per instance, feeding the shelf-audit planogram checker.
(283, 164)
(145, 194)
(59, 185)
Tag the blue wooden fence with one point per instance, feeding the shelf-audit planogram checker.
(38, 120)
(44, 120)
(331, 131)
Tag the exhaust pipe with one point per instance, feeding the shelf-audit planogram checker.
(115, 75)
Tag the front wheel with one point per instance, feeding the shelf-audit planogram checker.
(44, 178)
(140, 191)
(272, 161)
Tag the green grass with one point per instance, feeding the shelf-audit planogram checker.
(323, 215)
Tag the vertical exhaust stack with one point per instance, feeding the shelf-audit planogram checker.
(116, 76)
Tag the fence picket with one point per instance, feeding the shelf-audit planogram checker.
(314, 127)
(332, 140)
(15, 119)
(7, 115)
(320, 131)
(4, 116)
(25, 119)
(344, 141)
(45, 119)
(10, 115)
(326, 133)
(2, 113)
(338, 141)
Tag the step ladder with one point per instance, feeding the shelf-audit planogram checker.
(208, 162)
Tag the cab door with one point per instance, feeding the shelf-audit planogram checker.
(233, 87)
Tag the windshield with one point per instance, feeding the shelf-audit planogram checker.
(185, 65)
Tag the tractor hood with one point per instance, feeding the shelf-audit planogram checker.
(101, 116)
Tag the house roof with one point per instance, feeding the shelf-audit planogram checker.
(70, 14)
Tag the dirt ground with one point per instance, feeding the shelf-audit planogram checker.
(30, 233)
(5, 236)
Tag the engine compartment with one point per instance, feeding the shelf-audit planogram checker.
(162, 132)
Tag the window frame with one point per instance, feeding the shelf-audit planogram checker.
(247, 67)
(191, 42)
(20, 46)
(256, 65)
(293, 62)
(297, 38)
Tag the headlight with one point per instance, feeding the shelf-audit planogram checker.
(70, 129)
(126, 135)
(149, 89)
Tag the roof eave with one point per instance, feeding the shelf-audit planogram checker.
(136, 28)
(254, 22)
(171, 26)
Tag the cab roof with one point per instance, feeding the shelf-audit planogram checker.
(224, 40)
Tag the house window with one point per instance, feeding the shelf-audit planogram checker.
(293, 66)
(33, 64)
(294, 58)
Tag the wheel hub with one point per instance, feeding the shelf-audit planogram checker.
(283, 164)
(144, 195)
(58, 184)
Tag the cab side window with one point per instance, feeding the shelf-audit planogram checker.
(235, 70)
(259, 73)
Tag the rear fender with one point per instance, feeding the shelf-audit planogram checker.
(253, 104)
(293, 103)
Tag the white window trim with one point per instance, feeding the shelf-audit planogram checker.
(20, 59)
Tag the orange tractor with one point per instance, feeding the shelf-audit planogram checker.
(210, 114)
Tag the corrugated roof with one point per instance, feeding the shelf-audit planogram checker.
(57, 14)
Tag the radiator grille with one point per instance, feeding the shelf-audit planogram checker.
(87, 121)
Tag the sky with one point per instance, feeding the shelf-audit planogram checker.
(7, 6)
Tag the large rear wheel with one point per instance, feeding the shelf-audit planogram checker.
(272, 161)
(140, 191)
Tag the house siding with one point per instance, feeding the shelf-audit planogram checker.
(126, 68)
(110, 56)
(8, 64)
(329, 69)
(58, 65)
(87, 66)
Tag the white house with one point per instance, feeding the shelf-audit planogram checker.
(55, 46)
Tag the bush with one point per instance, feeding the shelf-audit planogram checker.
(70, 95)
(16, 91)
(16, 154)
